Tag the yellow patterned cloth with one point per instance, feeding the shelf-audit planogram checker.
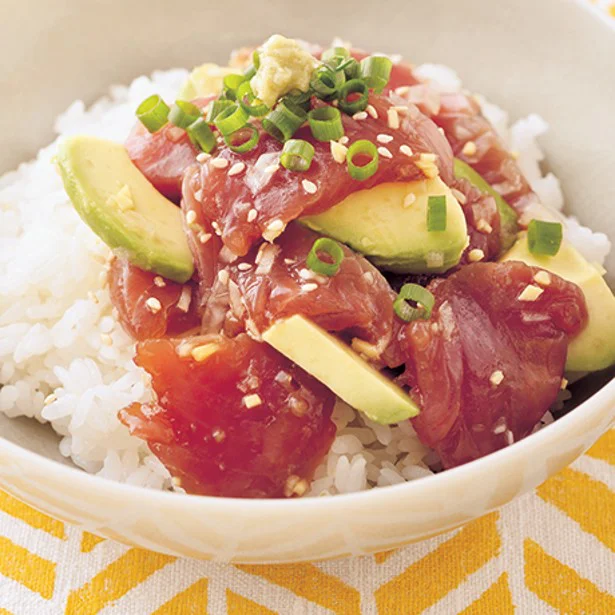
(552, 551)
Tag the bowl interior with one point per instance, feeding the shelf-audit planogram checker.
(551, 59)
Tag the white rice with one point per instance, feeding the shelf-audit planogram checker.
(56, 319)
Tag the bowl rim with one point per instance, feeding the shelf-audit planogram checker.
(533, 442)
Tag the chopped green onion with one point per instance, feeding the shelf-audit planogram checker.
(351, 68)
(544, 237)
(231, 119)
(326, 124)
(436, 213)
(201, 135)
(333, 249)
(355, 86)
(335, 52)
(376, 70)
(299, 99)
(251, 104)
(363, 147)
(231, 84)
(284, 121)
(216, 107)
(326, 81)
(256, 59)
(183, 113)
(418, 294)
(243, 140)
(297, 155)
(249, 72)
(153, 113)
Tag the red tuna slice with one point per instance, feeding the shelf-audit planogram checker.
(274, 282)
(242, 422)
(461, 119)
(163, 156)
(488, 364)
(252, 196)
(150, 306)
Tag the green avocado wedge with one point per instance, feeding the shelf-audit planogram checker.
(388, 225)
(508, 217)
(118, 203)
(340, 369)
(594, 348)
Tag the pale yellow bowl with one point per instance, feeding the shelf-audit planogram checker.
(551, 57)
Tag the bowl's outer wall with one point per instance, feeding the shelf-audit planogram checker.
(552, 57)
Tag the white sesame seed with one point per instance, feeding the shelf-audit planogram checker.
(542, 278)
(338, 151)
(223, 276)
(244, 266)
(252, 400)
(441, 130)
(369, 277)
(403, 90)
(530, 293)
(198, 195)
(343, 140)
(428, 157)
(159, 281)
(384, 152)
(200, 353)
(271, 169)
(218, 435)
(252, 215)
(469, 149)
(275, 225)
(176, 481)
(460, 196)
(183, 304)
(360, 115)
(382, 138)
(482, 226)
(393, 118)
(406, 150)
(372, 111)
(289, 261)
(153, 305)
(203, 156)
(498, 429)
(409, 199)
(237, 168)
(191, 217)
(204, 237)
(309, 287)
(219, 163)
(510, 438)
(496, 378)
(309, 187)
(273, 230)
(476, 255)
(306, 274)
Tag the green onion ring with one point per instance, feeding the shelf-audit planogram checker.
(326, 81)
(418, 294)
(333, 249)
(183, 113)
(231, 119)
(354, 86)
(362, 147)
(284, 121)
(326, 123)
(201, 135)
(376, 70)
(436, 213)
(216, 107)
(297, 155)
(544, 238)
(153, 113)
(246, 98)
(245, 145)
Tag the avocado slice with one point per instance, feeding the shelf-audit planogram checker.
(388, 224)
(204, 80)
(594, 348)
(341, 369)
(508, 216)
(118, 203)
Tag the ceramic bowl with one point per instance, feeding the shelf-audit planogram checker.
(552, 57)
